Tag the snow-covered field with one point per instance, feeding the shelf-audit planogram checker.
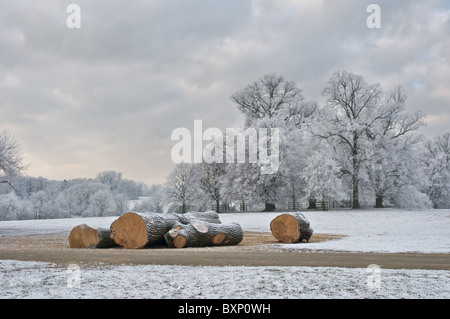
(43, 280)
(386, 230)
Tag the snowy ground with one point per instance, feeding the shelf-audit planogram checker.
(43, 280)
(385, 230)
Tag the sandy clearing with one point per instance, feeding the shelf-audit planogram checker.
(257, 249)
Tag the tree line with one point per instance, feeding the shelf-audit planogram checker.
(107, 194)
(360, 148)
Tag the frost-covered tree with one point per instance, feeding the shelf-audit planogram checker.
(101, 203)
(322, 176)
(272, 102)
(75, 200)
(272, 96)
(437, 161)
(11, 158)
(180, 185)
(297, 146)
(353, 104)
(120, 203)
(66, 202)
(111, 179)
(12, 208)
(392, 155)
(39, 204)
(357, 117)
(211, 181)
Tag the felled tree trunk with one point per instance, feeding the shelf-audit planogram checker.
(75, 236)
(137, 230)
(291, 228)
(97, 238)
(209, 216)
(200, 233)
(83, 236)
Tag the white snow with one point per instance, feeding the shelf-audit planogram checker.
(374, 230)
(44, 280)
(385, 230)
(50, 226)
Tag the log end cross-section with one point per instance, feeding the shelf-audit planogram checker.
(75, 236)
(130, 230)
(291, 228)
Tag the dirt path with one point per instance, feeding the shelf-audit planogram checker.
(255, 250)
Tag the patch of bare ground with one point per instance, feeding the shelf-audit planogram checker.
(60, 241)
(256, 249)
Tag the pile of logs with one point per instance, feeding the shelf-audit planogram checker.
(138, 230)
(135, 230)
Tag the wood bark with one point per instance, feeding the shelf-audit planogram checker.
(200, 233)
(291, 228)
(137, 230)
(97, 238)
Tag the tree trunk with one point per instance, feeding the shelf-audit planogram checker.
(209, 216)
(355, 175)
(270, 207)
(75, 236)
(83, 236)
(312, 203)
(200, 233)
(97, 238)
(137, 230)
(379, 202)
(291, 228)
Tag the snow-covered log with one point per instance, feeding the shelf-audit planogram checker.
(136, 230)
(291, 228)
(200, 233)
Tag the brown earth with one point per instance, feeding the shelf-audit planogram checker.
(256, 249)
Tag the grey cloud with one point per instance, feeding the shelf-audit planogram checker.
(108, 95)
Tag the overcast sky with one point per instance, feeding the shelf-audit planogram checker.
(107, 96)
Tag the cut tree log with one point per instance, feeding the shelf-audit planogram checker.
(97, 238)
(137, 230)
(75, 236)
(291, 228)
(83, 236)
(200, 233)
